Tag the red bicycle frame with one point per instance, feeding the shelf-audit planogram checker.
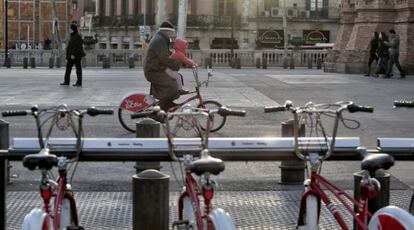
(194, 190)
(59, 192)
(315, 188)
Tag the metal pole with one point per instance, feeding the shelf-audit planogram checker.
(4, 144)
(147, 128)
(284, 30)
(6, 34)
(145, 14)
(232, 34)
(182, 19)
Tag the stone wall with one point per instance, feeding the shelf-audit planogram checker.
(360, 19)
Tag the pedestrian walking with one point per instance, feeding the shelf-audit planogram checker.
(373, 55)
(74, 54)
(157, 59)
(382, 52)
(394, 50)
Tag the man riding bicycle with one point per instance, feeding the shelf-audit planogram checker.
(157, 59)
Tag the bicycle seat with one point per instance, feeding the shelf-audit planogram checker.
(41, 160)
(373, 162)
(206, 164)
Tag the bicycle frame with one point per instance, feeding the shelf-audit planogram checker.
(193, 189)
(315, 188)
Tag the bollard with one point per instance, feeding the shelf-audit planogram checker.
(319, 63)
(147, 128)
(32, 62)
(58, 62)
(285, 62)
(25, 62)
(264, 63)
(106, 63)
(258, 63)
(51, 63)
(208, 62)
(4, 171)
(292, 172)
(291, 63)
(8, 62)
(238, 63)
(383, 197)
(131, 62)
(4, 144)
(150, 200)
(309, 60)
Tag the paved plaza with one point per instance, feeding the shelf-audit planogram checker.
(250, 191)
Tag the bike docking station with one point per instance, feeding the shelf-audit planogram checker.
(154, 149)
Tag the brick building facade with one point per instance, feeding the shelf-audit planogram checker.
(30, 22)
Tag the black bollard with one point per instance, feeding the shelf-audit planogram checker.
(309, 60)
(264, 63)
(25, 62)
(291, 63)
(258, 63)
(292, 172)
(150, 200)
(319, 63)
(285, 62)
(32, 62)
(51, 62)
(131, 62)
(8, 62)
(238, 63)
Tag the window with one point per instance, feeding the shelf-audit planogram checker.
(316, 5)
(224, 7)
(191, 6)
(269, 4)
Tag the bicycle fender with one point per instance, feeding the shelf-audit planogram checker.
(34, 220)
(391, 217)
(221, 219)
(136, 102)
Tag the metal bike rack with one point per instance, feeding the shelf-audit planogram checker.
(156, 149)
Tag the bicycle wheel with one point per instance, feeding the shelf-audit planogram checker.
(411, 207)
(35, 220)
(221, 220)
(309, 218)
(124, 117)
(189, 213)
(219, 120)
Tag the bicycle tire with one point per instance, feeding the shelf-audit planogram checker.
(189, 213)
(411, 207)
(124, 117)
(309, 217)
(221, 220)
(218, 123)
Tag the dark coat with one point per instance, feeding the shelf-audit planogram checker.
(157, 59)
(75, 46)
(373, 47)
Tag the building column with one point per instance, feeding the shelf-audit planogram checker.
(161, 12)
(182, 18)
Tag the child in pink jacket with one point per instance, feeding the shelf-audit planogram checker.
(179, 53)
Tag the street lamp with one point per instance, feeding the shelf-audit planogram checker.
(284, 30)
(232, 35)
(6, 34)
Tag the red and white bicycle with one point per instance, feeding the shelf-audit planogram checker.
(192, 214)
(139, 102)
(62, 214)
(315, 152)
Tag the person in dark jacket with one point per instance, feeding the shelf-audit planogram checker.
(394, 50)
(74, 54)
(373, 46)
(157, 59)
(383, 54)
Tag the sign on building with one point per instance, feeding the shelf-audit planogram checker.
(315, 36)
(271, 38)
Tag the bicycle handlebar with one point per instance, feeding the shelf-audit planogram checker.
(408, 104)
(12, 113)
(92, 111)
(224, 111)
(352, 108)
(271, 109)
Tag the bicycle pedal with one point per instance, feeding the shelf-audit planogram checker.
(75, 228)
